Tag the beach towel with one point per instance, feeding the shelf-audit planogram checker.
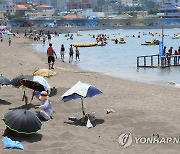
(12, 144)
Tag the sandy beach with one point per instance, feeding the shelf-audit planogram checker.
(140, 108)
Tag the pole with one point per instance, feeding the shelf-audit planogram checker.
(82, 106)
(162, 37)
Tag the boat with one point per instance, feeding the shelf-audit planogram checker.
(154, 42)
(85, 44)
(176, 36)
(122, 41)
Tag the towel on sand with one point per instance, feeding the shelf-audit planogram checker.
(12, 144)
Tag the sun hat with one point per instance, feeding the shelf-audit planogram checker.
(44, 95)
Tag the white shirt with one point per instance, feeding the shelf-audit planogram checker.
(46, 106)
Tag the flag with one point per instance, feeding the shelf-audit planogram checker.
(161, 49)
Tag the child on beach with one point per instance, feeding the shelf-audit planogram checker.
(51, 53)
(45, 107)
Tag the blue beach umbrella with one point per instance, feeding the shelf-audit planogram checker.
(80, 90)
(4, 80)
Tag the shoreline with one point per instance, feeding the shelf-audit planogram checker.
(169, 84)
(62, 29)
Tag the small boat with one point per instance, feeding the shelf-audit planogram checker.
(176, 36)
(154, 42)
(85, 44)
(122, 41)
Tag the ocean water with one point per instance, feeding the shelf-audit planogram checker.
(120, 60)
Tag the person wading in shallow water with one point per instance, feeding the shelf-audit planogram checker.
(51, 53)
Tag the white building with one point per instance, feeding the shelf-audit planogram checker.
(7, 6)
(88, 13)
(170, 9)
(130, 2)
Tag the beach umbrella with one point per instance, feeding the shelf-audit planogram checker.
(4, 80)
(36, 86)
(22, 121)
(80, 90)
(16, 82)
(44, 72)
(36, 83)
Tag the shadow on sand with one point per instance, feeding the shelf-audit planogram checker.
(80, 123)
(25, 106)
(4, 102)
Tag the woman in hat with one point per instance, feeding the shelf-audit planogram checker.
(46, 107)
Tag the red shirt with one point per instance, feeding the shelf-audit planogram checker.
(50, 51)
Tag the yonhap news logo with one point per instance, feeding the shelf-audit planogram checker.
(127, 139)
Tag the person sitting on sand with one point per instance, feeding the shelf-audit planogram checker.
(46, 107)
(51, 53)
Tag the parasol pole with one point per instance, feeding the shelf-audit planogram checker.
(83, 106)
(162, 37)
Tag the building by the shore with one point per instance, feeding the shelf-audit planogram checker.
(170, 9)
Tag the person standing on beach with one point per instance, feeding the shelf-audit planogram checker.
(169, 55)
(9, 41)
(49, 37)
(179, 54)
(164, 51)
(77, 54)
(51, 53)
(62, 52)
(71, 52)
